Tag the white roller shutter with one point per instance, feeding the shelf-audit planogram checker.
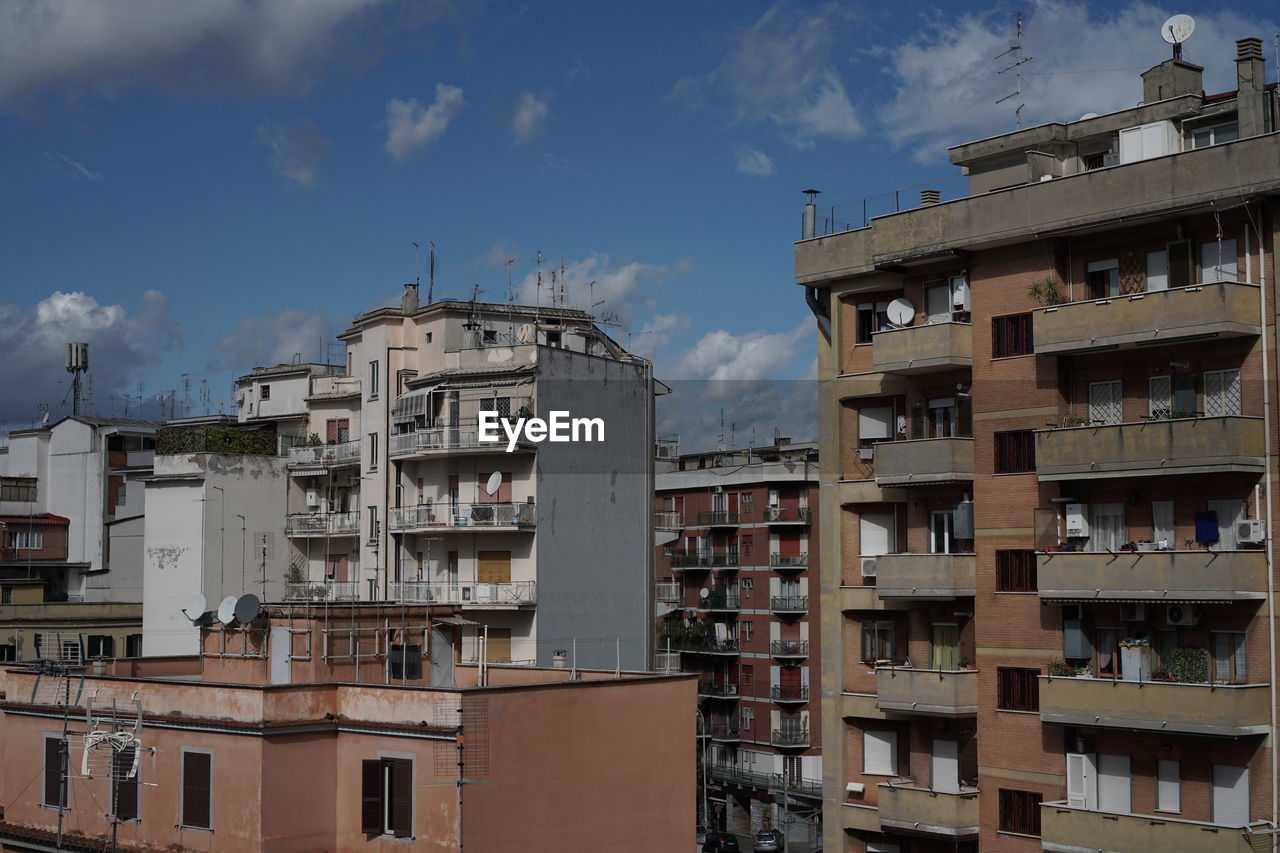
(1230, 795)
(1168, 786)
(880, 752)
(875, 533)
(1218, 263)
(1113, 784)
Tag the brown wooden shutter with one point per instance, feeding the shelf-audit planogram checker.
(498, 646)
(53, 767)
(371, 797)
(126, 804)
(493, 567)
(401, 797)
(195, 789)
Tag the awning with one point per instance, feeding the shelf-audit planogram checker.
(1052, 599)
(452, 620)
(42, 518)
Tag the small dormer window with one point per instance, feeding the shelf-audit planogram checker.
(264, 392)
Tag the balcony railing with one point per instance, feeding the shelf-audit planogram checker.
(325, 455)
(718, 689)
(688, 560)
(789, 737)
(1151, 447)
(323, 524)
(907, 806)
(789, 604)
(925, 576)
(667, 520)
(924, 348)
(789, 648)
(437, 515)
(666, 662)
(726, 731)
(444, 439)
(939, 692)
(322, 591)
(500, 594)
(717, 519)
(668, 592)
(1067, 827)
(741, 776)
(786, 515)
(1233, 710)
(1159, 576)
(720, 599)
(789, 693)
(924, 461)
(789, 561)
(726, 646)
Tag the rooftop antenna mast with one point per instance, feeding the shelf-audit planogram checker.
(1015, 48)
(538, 296)
(511, 294)
(77, 364)
(417, 263)
(562, 281)
(431, 274)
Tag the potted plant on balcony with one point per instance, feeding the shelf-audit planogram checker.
(1045, 291)
(1060, 668)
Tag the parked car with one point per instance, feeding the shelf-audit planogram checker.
(720, 842)
(769, 841)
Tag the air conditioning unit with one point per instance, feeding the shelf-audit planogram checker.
(1183, 614)
(1251, 531)
(866, 454)
(868, 567)
(1077, 520)
(1133, 612)
(313, 497)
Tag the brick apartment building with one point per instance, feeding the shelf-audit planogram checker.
(738, 594)
(1046, 427)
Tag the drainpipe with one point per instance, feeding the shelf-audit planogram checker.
(1271, 588)
(819, 312)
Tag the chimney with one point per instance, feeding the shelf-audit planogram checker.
(1170, 79)
(409, 301)
(930, 197)
(1251, 86)
(809, 224)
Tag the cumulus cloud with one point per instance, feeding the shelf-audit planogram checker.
(71, 168)
(121, 342)
(753, 161)
(656, 333)
(274, 338)
(751, 355)
(296, 147)
(411, 126)
(782, 68)
(594, 281)
(945, 80)
(220, 45)
(497, 255)
(527, 120)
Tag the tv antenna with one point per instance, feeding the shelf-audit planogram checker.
(1176, 30)
(1015, 48)
(538, 296)
(511, 295)
(417, 263)
(431, 273)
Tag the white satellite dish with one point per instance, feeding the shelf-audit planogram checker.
(704, 592)
(1087, 116)
(495, 482)
(524, 334)
(901, 312)
(227, 610)
(247, 608)
(193, 607)
(1178, 29)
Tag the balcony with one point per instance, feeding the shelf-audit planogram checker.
(322, 524)
(788, 693)
(667, 592)
(453, 517)
(789, 605)
(1066, 829)
(322, 591)
(910, 807)
(788, 736)
(1219, 310)
(924, 462)
(304, 459)
(449, 440)
(667, 520)
(713, 689)
(789, 561)
(1158, 576)
(789, 649)
(919, 577)
(934, 692)
(666, 662)
(1206, 709)
(786, 515)
(717, 519)
(481, 596)
(726, 732)
(741, 776)
(699, 646)
(1151, 448)
(923, 349)
(688, 560)
(721, 600)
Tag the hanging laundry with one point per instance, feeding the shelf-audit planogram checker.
(1207, 526)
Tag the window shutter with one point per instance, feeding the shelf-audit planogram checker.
(401, 797)
(1079, 780)
(1113, 783)
(371, 797)
(413, 662)
(1168, 794)
(195, 789)
(1242, 671)
(53, 769)
(880, 752)
(126, 805)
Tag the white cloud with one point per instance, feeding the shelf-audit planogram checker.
(275, 338)
(656, 334)
(223, 45)
(497, 255)
(120, 343)
(528, 117)
(722, 355)
(1087, 59)
(411, 125)
(297, 146)
(753, 161)
(593, 284)
(782, 68)
(72, 168)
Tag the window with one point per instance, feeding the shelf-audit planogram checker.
(1011, 335)
(1015, 452)
(55, 772)
(748, 718)
(6, 595)
(745, 629)
(1017, 689)
(264, 392)
(405, 662)
(133, 646)
(373, 380)
(553, 339)
(747, 585)
(373, 451)
(1215, 135)
(748, 676)
(101, 646)
(1016, 571)
(386, 806)
(877, 641)
(872, 317)
(26, 540)
(373, 524)
(428, 337)
(1229, 657)
(1221, 393)
(1103, 278)
(8, 652)
(1218, 261)
(337, 430)
(489, 336)
(197, 778)
(1020, 811)
(1168, 791)
(124, 779)
(17, 488)
(880, 752)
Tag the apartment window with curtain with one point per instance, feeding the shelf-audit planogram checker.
(1229, 657)
(877, 641)
(1015, 452)
(1011, 335)
(1103, 278)
(197, 790)
(26, 540)
(386, 806)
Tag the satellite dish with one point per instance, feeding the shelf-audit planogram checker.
(1087, 116)
(247, 608)
(1178, 29)
(704, 592)
(227, 610)
(901, 312)
(193, 607)
(494, 483)
(524, 334)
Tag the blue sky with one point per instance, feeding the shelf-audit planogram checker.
(200, 187)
